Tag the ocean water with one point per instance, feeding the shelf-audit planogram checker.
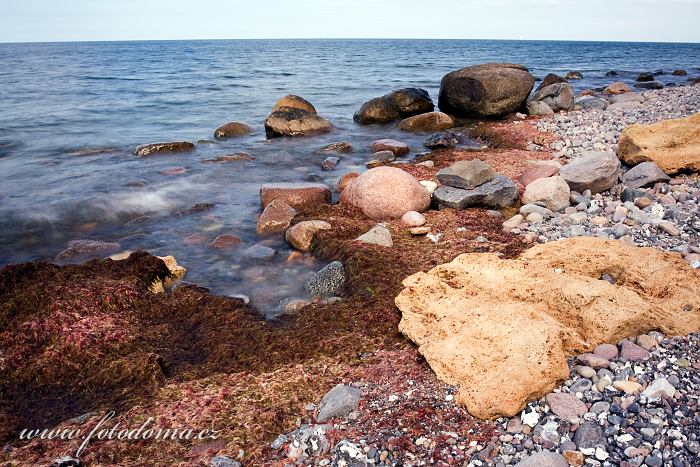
(61, 101)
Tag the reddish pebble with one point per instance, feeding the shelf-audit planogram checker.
(194, 239)
(174, 171)
(632, 352)
(607, 351)
(537, 172)
(225, 241)
(397, 147)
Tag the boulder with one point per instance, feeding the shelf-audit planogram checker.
(557, 96)
(345, 180)
(386, 193)
(645, 77)
(574, 75)
(502, 329)
(618, 88)
(538, 108)
(644, 174)
(431, 121)
(397, 147)
(294, 116)
(398, 104)
(302, 234)
(673, 145)
(489, 90)
(649, 85)
(497, 193)
(595, 171)
(553, 192)
(295, 194)
(550, 79)
(466, 174)
(276, 218)
(160, 148)
(679, 73)
(327, 282)
(232, 129)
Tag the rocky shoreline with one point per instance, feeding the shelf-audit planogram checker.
(629, 394)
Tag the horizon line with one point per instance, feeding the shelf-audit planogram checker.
(69, 41)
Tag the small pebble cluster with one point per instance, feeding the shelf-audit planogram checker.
(588, 130)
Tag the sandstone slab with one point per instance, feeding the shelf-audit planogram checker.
(502, 329)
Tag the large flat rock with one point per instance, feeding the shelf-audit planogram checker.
(502, 329)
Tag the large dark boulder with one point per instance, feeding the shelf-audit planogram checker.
(490, 90)
(294, 116)
(396, 105)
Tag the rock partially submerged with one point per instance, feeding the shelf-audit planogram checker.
(502, 329)
(396, 105)
(160, 148)
(294, 116)
(489, 90)
(431, 121)
(673, 145)
(295, 194)
(232, 129)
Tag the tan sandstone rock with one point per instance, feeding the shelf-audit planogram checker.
(502, 329)
(302, 234)
(674, 145)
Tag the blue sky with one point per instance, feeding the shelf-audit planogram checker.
(636, 20)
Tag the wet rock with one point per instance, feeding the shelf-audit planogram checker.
(644, 174)
(338, 402)
(238, 156)
(302, 234)
(673, 145)
(294, 116)
(199, 207)
(160, 148)
(466, 174)
(543, 459)
(386, 193)
(679, 73)
(296, 194)
(330, 163)
(87, 249)
(496, 193)
(431, 121)
(445, 139)
(645, 77)
(557, 96)
(340, 147)
(259, 253)
(225, 242)
(398, 104)
(553, 192)
(594, 171)
(649, 85)
(397, 147)
(276, 218)
(380, 158)
(328, 281)
(232, 129)
(488, 90)
(378, 235)
(574, 75)
(346, 179)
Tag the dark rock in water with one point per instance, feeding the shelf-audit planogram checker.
(380, 158)
(679, 73)
(290, 121)
(644, 174)
(338, 402)
(557, 96)
(658, 72)
(431, 121)
(589, 435)
(445, 139)
(649, 85)
(232, 129)
(642, 77)
(87, 249)
(549, 80)
(340, 147)
(294, 102)
(259, 253)
(199, 207)
(574, 75)
(396, 105)
(497, 193)
(238, 156)
(66, 461)
(466, 174)
(489, 90)
(327, 282)
(612, 73)
(330, 163)
(157, 148)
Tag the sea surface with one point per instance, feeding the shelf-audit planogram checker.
(72, 113)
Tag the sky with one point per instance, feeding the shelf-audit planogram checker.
(90, 20)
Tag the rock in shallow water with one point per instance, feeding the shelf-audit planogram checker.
(295, 194)
(302, 234)
(398, 104)
(159, 148)
(232, 129)
(496, 193)
(276, 218)
(328, 281)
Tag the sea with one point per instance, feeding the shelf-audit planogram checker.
(72, 113)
